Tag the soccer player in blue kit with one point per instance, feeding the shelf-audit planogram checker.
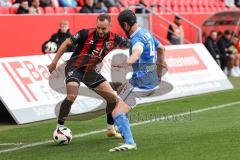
(147, 60)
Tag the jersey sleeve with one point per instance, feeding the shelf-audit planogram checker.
(79, 36)
(137, 41)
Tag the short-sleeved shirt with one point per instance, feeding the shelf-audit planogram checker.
(91, 49)
(144, 69)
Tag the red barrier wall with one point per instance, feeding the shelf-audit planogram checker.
(24, 34)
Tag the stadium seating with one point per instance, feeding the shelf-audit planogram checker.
(81, 2)
(77, 9)
(185, 6)
(182, 6)
(49, 10)
(59, 10)
(42, 10)
(113, 10)
(4, 10)
(70, 10)
(13, 10)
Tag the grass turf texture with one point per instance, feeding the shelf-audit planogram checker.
(209, 135)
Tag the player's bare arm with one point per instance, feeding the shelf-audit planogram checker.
(59, 54)
(161, 63)
(136, 53)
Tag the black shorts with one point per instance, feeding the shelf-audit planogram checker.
(90, 78)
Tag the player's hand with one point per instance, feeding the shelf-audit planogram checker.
(51, 67)
(164, 65)
(161, 69)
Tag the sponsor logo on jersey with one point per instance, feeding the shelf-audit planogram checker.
(109, 45)
(70, 73)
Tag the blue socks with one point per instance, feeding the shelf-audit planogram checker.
(123, 125)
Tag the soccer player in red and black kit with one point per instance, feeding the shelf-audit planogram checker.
(92, 45)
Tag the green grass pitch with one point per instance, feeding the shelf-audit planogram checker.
(206, 135)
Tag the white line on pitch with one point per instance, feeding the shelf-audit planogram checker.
(133, 124)
(11, 144)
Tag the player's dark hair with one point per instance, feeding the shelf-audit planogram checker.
(127, 16)
(104, 16)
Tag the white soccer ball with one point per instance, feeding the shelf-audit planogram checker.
(62, 135)
(51, 47)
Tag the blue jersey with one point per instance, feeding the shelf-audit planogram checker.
(144, 69)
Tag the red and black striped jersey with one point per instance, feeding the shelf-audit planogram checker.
(91, 49)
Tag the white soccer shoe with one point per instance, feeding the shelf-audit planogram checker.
(124, 147)
(114, 132)
(234, 73)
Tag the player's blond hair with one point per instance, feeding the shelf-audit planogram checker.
(64, 22)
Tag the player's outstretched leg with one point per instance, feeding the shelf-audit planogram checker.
(119, 115)
(72, 91)
(122, 122)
